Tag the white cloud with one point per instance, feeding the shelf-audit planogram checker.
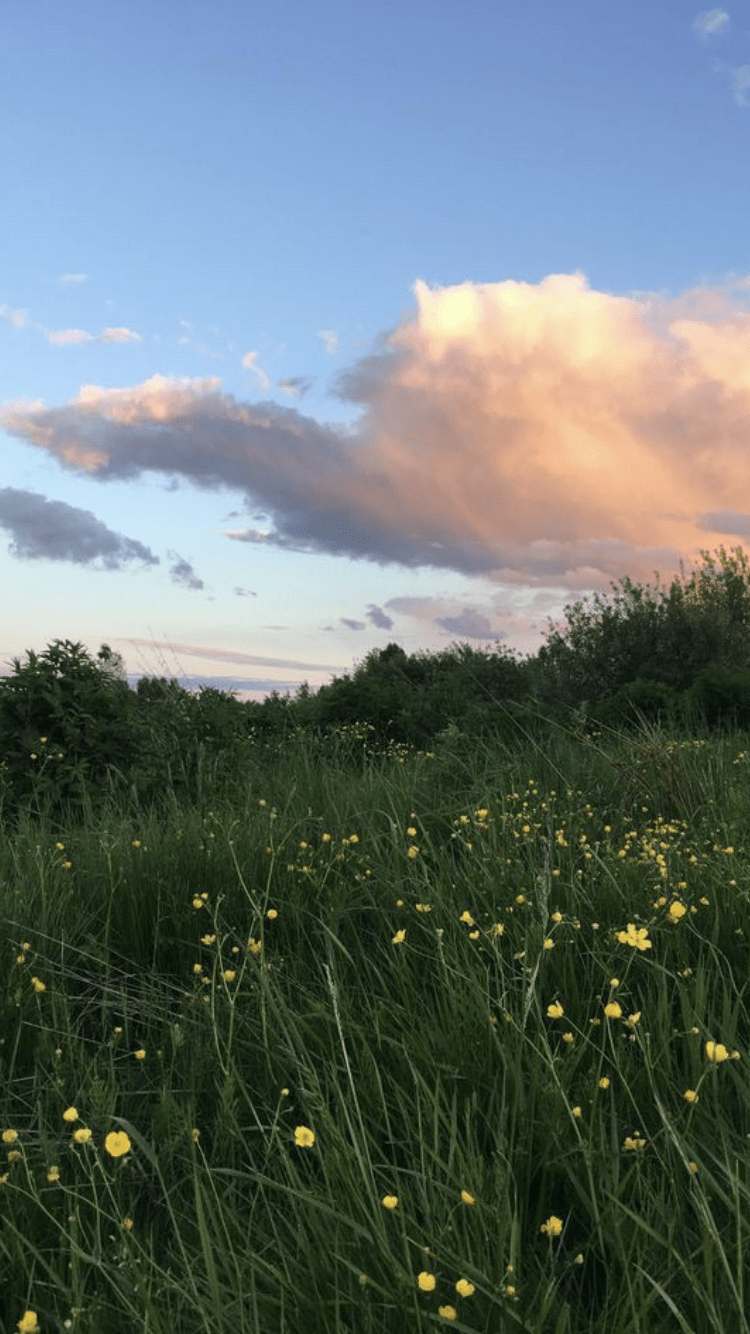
(66, 337)
(248, 362)
(73, 279)
(15, 317)
(709, 22)
(330, 338)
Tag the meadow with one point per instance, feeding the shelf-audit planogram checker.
(382, 1043)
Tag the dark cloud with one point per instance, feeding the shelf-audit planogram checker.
(245, 593)
(297, 386)
(51, 530)
(182, 572)
(379, 617)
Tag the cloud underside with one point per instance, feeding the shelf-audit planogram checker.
(522, 432)
(51, 530)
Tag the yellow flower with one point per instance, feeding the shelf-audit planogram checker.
(38, 984)
(197, 903)
(272, 914)
(140, 1054)
(555, 1011)
(568, 1037)
(229, 975)
(254, 946)
(9, 1136)
(510, 1290)
(447, 1312)
(195, 1134)
(426, 1282)
(464, 1288)
(634, 1143)
(28, 1324)
(197, 968)
(207, 940)
(82, 1136)
(127, 1224)
(716, 1051)
(548, 944)
(71, 1114)
(553, 1227)
(399, 938)
(117, 1143)
(467, 1198)
(53, 1175)
(604, 1083)
(576, 1112)
(677, 910)
(304, 1138)
(467, 918)
(690, 1095)
(633, 1020)
(613, 1010)
(637, 938)
(389, 1201)
(423, 907)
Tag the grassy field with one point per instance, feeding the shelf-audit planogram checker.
(446, 1040)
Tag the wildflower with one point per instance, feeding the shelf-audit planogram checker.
(638, 939)
(426, 1282)
(690, 1095)
(634, 1143)
(140, 1054)
(136, 842)
(71, 1114)
(568, 1037)
(53, 1175)
(38, 984)
(676, 910)
(548, 944)
(464, 1288)
(127, 1224)
(272, 914)
(389, 1201)
(197, 968)
(604, 1083)
(117, 1143)
(447, 1312)
(614, 981)
(613, 1010)
(467, 1198)
(576, 1112)
(197, 903)
(207, 940)
(9, 1136)
(28, 1324)
(195, 1134)
(82, 1136)
(553, 1227)
(633, 1019)
(467, 918)
(555, 1011)
(304, 1138)
(716, 1051)
(510, 1290)
(399, 937)
(423, 907)
(693, 1168)
(229, 975)
(254, 946)
(285, 1093)
(497, 930)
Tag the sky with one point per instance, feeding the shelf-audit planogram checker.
(328, 325)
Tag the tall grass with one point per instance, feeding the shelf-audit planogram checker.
(350, 1017)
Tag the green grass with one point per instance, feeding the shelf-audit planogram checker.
(426, 1064)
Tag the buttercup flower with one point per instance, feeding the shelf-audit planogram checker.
(426, 1282)
(690, 1095)
(637, 938)
(555, 1011)
(82, 1136)
(28, 1324)
(716, 1051)
(304, 1138)
(464, 1288)
(117, 1143)
(467, 1198)
(613, 1010)
(447, 1312)
(389, 1201)
(71, 1114)
(553, 1227)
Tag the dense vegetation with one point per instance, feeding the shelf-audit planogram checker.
(421, 1001)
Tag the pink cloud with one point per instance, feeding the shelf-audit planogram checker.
(529, 433)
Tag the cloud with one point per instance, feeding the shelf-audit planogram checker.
(330, 338)
(296, 387)
(51, 530)
(65, 337)
(248, 361)
(710, 21)
(73, 279)
(531, 434)
(182, 572)
(244, 592)
(17, 318)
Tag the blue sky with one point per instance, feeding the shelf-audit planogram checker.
(326, 325)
